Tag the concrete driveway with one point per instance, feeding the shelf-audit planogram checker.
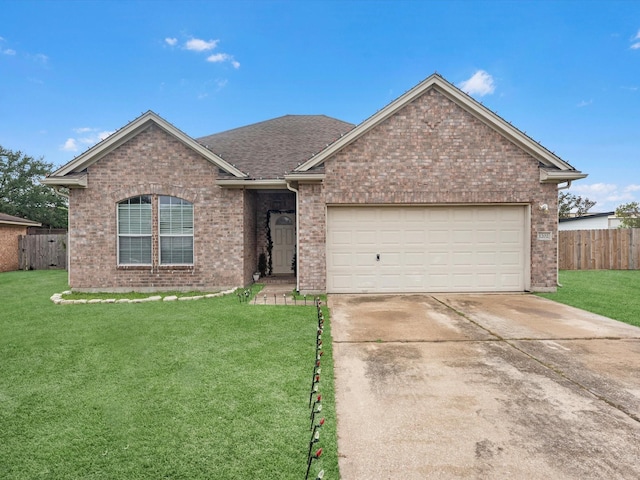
(483, 386)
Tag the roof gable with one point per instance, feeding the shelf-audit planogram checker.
(67, 175)
(556, 169)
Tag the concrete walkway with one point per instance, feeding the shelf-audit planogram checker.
(483, 386)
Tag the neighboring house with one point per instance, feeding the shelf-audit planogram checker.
(590, 221)
(10, 229)
(433, 193)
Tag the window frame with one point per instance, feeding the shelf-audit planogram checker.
(120, 235)
(182, 202)
(154, 225)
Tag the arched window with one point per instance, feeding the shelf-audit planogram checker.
(176, 231)
(134, 231)
(174, 241)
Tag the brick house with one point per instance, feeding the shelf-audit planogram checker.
(10, 230)
(433, 193)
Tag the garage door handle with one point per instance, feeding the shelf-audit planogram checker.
(377, 257)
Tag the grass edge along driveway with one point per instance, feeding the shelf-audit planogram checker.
(180, 390)
(611, 293)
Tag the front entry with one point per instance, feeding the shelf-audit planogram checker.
(283, 234)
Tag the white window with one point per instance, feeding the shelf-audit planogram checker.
(176, 231)
(134, 231)
(173, 244)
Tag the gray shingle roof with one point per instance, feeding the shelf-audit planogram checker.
(274, 147)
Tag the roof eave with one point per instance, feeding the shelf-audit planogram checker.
(560, 176)
(305, 177)
(77, 181)
(268, 184)
(20, 224)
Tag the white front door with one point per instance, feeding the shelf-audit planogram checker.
(283, 235)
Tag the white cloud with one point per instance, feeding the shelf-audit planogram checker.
(584, 103)
(480, 83)
(90, 136)
(70, 145)
(8, 51)
(199, 45)
(171, 41)
(218, 57)
(608, 196)
(223, 57)
(635, 45)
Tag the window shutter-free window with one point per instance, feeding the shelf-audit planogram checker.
(134, 231)
(176, 231)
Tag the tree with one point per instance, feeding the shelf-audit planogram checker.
(630, 215)
(21, 193)
(570, 205)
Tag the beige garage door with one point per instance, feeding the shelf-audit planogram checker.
(426, 249)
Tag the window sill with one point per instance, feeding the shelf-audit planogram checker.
(135, 267)
(157, 267)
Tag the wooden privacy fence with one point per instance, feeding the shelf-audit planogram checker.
(615, 249)
(42, 252)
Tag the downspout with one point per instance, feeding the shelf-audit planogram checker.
(289, 187)
(564, 187)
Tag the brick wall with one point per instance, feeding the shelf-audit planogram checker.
(249, 233)
(9, 246)
(312, 225)
(430, 152)
(156, 163)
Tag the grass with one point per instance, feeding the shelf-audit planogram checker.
(181, 390)
(612, 293)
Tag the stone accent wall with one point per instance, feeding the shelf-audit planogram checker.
(9, 246)
(156, 163)
(432, 152)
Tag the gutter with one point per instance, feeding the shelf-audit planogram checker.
(289, 187)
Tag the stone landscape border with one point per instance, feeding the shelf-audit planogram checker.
(58, 300)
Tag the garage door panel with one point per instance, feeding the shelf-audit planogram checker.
(423, 249)
(414, 259)
(341, 260)
(414, 237)
(364, 259)
(366, 237)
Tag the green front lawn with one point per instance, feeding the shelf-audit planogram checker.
(612, 293)
(206, 389)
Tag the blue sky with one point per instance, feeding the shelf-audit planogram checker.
(565, 72)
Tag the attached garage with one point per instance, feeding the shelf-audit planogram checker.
(466, 248)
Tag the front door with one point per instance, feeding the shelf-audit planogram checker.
(283, 235)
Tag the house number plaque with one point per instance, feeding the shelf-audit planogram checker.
(545, 236)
